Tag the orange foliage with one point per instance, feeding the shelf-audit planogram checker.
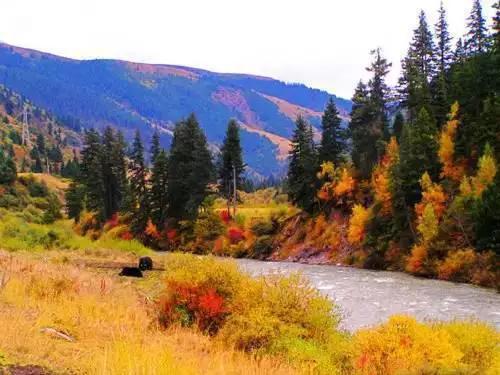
(357, 223)
(433, 194)
(381, 177)
(152, 231)
(452, 170)
(458, 262)
(417, 258)
(340, 182)
(486, 172)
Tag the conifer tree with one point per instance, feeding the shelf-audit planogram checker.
(459, 55)
(231, 166)
(333, 137)
(75, 196)
(397, 126)
(443, 50)
(477, 40)
(302, 167)
(360, 117)
(488, 218)
(119, 169)
(92, 173)
(8, 170)
(155, 146)
(418, 154)
(159, 190)
(496, 27)
(138, 185)
(369, 124)
(112, 194)
(190, 170)
(418, 70)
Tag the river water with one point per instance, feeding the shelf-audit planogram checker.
(369, 297)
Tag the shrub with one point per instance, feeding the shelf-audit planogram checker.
(208, 226)
(267, 315)
(264, 227)
(457, 265)
(402, 345)
(262, 247)
(235, 235)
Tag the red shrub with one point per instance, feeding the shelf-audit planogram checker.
(192, 304)
(113, 222)
(171, 234)
(127, 236)
(235, 235)
(225, 216)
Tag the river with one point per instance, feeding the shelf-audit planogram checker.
(368, 297)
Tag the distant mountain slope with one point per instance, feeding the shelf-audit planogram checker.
(143, 96)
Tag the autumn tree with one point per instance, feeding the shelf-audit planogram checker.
(451, 168)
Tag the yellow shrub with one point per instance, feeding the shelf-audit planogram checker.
(357, 223)
(457, 265)
(479, 344)
(402, 345)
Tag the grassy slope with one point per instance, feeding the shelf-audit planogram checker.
(112, 321)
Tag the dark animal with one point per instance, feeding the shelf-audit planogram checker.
(131, 272)
(145, 264)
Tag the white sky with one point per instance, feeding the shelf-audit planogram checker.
(322, 43)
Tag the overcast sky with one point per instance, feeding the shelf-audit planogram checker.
(322, 43)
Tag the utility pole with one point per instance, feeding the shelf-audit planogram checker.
(234, 191)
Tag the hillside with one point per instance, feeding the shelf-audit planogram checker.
(142, 96)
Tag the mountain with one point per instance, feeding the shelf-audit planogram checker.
(129, 96)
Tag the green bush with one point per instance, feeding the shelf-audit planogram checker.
(262, 247)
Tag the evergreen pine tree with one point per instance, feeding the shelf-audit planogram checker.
(488, 218)
(110, 181)
(418, 154)
(155, 146)
(8, 170)
(159, 190)
(333, 137)
(358, 129)
(443, 50)
(190, 170)
(496, 27)
(138, 186)
(303, 167)
(397, 126)
(477, 39)
(231, 162)
(92, 173)
(418, 70)
(75, 196)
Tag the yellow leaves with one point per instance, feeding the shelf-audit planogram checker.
(446, 152)
(486, 173)
(380, 182)
(339, 183)
(487, 170)
(357, 223)
(432, 194)
(428, 223)
(402, 345)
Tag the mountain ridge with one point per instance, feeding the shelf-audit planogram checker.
(130, 95)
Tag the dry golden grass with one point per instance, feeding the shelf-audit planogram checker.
(112, 321)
